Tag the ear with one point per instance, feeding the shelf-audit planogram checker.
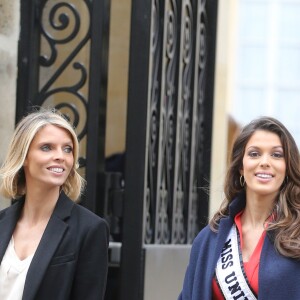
(25, 162)
(242, 172)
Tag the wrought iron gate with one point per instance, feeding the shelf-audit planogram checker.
(63, 54)
(168, 146)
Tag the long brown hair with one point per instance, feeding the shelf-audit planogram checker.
(286, 224)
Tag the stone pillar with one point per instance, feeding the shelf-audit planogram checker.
(225, 60)
(9, 33)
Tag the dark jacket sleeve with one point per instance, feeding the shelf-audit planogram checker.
(92, 265)
(187, 289)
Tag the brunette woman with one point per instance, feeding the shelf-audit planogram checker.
(251, 248)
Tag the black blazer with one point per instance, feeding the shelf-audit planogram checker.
(71, 260)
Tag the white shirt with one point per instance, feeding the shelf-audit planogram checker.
(13, 273)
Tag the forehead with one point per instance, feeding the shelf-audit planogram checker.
(54, 133)
(261, 138)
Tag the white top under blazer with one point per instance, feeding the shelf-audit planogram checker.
(13, 273)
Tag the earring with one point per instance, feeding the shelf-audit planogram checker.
(242, 181)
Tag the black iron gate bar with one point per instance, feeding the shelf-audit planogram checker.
(169, 129)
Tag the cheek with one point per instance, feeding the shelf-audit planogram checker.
(247, 165)
(71, 161)
(283, 171)
(282, 167)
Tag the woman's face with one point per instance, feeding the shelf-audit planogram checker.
(264, 166)
(49, 159)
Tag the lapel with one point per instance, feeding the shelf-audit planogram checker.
(225, 225)
(51, 238)
(8, 221)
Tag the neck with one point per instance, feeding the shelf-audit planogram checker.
(39, 207)
(257, 210)
(254, 217)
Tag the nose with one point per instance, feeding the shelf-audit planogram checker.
(264, 162)
(59, 155)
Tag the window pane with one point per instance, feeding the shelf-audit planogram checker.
(289, 65)
(252, 64)
(252, 20)
(249, 104)
(287, 105)
(289, 21)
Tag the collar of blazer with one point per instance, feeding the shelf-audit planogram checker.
(235, 206)
(50, 240)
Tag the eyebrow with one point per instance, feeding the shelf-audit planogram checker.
(70, 142)
(256, 147)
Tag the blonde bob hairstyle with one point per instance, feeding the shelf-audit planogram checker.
(13, 183)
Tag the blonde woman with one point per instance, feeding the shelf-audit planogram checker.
(51, 247)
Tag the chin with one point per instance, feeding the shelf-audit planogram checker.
(56, 184)
(267, 193)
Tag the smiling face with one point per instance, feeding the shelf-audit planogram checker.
(264, 166)
(49, 159)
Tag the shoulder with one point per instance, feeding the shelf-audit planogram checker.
(4, 210)
(205, 234)
(87, 216)
(12, 209)
(76, 215)
(90, 226)
(203, 242)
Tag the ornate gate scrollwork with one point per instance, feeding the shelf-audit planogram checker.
(169, 139)
(63, 64)
(176, 120)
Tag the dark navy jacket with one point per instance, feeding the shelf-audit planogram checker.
(279, 277)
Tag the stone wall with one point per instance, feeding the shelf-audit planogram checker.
(9, 32)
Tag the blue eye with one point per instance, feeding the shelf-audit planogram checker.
(45, 148)
(68, 149)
